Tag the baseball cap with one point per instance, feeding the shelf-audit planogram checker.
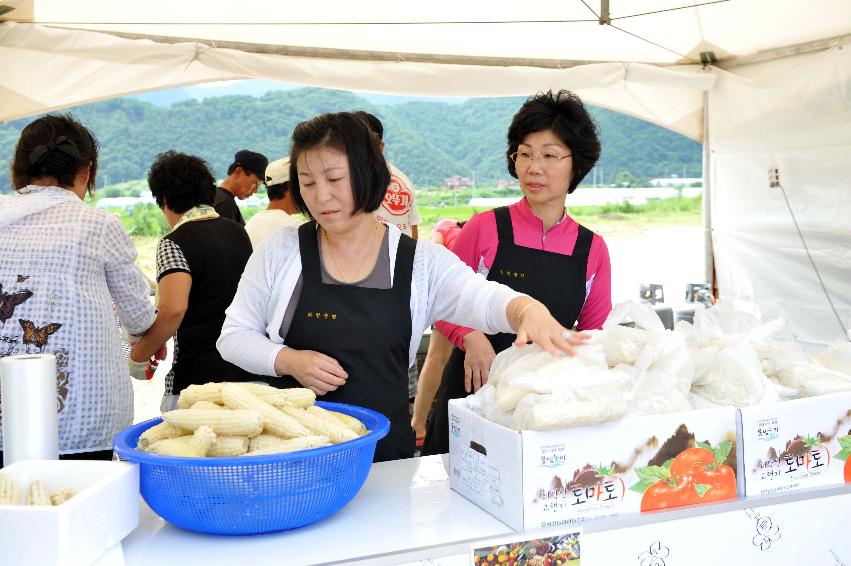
(252, 162)
(278, 172)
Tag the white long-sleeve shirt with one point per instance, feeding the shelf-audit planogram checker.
(67, 264)
(442, 288)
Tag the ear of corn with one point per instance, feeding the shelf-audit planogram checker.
(227, 422)
(292, 445)
(348, 421)
(274, 420)
(262, 441)
(195, 446)
(321, 424)
(63, 495)
(159, 432)
(37, 494)
(229, 446)
(10, 494)
(206, 405)
(207, 392)
(295, 396)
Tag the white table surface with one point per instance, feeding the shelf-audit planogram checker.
(406, 513)
(404, 504)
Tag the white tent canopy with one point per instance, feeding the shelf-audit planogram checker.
(776, 93)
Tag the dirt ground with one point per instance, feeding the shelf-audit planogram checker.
(672, 256)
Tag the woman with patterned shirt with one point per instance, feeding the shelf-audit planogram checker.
(199, 264)
(64, 265)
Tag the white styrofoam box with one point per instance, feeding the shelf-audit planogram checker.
(542, 479)
(75, 533)
(794, 444)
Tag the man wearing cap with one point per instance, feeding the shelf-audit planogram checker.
(281, 212)
(244, 177)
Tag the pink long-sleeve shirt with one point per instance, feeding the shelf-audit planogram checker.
(478, 241)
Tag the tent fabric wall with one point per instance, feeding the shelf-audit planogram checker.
(792, 114)
(86, 66)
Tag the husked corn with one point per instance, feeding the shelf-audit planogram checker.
(63, 495)
(195, 446)
(234, 423)
(292, 445)
(274, 420)
(320, 424)
(295, 396)
(207, 392)
(159, 432)
(263, 441)
(37, 494)
(206, 405)
(347, 420)
(229, 446)
(10, 494)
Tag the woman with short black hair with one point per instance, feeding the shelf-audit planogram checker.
(532, 246)
(198, 268)
(338, 305)
(64, 265)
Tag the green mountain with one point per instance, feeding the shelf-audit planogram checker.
(429, 141)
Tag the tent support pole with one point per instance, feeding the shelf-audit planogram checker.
(708, 250)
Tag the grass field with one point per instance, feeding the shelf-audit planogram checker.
(621, 219)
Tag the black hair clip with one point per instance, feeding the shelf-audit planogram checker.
(62, 143)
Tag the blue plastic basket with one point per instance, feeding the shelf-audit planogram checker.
(249, 495)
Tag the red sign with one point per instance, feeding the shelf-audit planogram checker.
(397, 199)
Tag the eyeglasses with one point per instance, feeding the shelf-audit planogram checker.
(546, 160)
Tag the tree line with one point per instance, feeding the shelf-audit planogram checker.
(429, 141)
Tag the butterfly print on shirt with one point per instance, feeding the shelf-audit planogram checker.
(22, 278)
(38, 336)
(8, 302)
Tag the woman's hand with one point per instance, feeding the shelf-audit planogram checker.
(478, 357)
(314, 370)
(536, 324)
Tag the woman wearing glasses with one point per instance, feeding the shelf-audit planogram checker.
(532, 246)
(338, 304)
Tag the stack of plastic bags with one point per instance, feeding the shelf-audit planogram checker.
(726, 358)
(621, 371)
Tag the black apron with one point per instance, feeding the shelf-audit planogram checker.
(368, 331)
(556, 280)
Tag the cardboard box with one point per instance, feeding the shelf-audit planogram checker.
(77, 532)
(797, 444)
(542, 479)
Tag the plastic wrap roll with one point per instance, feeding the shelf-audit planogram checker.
(30, 425)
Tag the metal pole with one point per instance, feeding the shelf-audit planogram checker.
(709, 254)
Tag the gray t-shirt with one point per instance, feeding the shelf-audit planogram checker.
(379, 278)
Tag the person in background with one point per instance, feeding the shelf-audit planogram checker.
(244, 177)
(532, 246)
(63, 266)
(338, 305)
(444, 233)
(281, 211)
(199, 264)
(399, 207)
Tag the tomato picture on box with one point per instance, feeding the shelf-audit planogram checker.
(696, 475)
(845, 443)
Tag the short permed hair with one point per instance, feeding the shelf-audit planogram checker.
(565, 114)
(181, 181)
(58, 146)
(349, 134)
